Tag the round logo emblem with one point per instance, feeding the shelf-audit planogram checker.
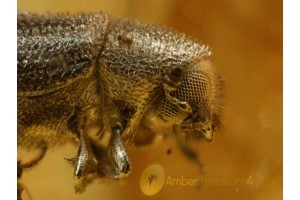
(152, 179)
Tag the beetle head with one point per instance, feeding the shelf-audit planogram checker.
(194, 106)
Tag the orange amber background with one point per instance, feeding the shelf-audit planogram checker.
(246, 40)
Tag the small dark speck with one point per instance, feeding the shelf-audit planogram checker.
(169, 151)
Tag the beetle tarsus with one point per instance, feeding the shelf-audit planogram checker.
(118, 154)
(84, 162)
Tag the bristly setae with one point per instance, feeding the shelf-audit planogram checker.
(132, 80)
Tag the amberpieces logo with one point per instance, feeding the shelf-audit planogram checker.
(152, 179)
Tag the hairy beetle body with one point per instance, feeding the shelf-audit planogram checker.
(132, 80)
(57, 74)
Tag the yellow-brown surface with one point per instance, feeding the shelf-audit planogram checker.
(246, 40)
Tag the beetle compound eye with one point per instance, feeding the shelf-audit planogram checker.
(194, 88)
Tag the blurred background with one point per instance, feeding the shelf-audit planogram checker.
(245, 159)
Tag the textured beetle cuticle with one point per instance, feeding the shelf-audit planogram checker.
(132, 81)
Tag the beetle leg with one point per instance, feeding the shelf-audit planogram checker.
(21, 167)
(19, 185)
(189, 152)
(35, 160)
(84, 162)
(118, 154)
